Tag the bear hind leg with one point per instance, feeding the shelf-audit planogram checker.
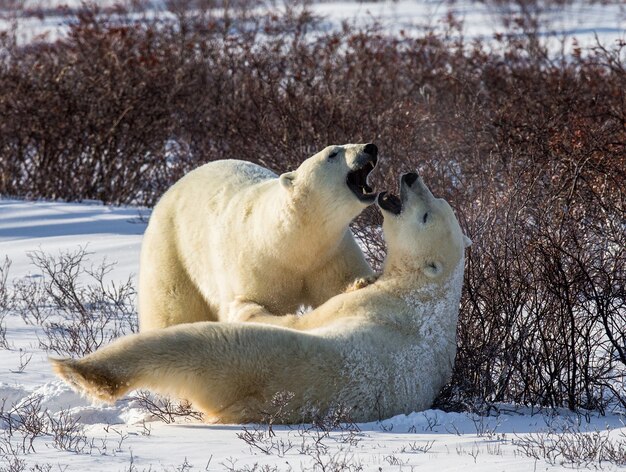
(99, 384)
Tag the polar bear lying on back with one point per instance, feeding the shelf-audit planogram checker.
(383, 350)
(231, 229)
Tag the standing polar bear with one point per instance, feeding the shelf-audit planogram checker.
(382, 350)
(232, 229)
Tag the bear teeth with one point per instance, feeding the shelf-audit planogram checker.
(357, 181)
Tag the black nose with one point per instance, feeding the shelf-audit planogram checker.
(370, 149)
(410, 178)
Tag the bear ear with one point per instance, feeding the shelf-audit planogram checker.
(286, 179)
(467, 241)
(432, 269)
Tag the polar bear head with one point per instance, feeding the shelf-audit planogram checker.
(422, 233)
(333, 182)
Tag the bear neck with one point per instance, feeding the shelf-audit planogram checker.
(296, 226)
(422, 295)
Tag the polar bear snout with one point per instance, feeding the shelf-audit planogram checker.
(412, 189)
(368, 157)
(371, 149)
(409, 178)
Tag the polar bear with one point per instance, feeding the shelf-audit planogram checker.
(234, 229)
(381, 350)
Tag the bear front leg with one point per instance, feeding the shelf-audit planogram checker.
(339, 274)
(241, 310)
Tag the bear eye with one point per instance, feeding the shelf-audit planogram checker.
(333, 154)
(425, 217)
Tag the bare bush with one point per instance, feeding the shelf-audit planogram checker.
(309, 439)
(163, 408)
(335, 420)
(26, 421)
(77, 317)
(258, 439)
(11, 457)
(261, 437)
(415, 447)
(5, 294)
(568, 445)
(6, 301)
(4, 343)
(68, 433)
(24, 361)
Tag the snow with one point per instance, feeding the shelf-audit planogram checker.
(51, 227)
(124, 436)
(580, 19)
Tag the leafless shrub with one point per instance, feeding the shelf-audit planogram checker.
(484, 428)
(10, 455)
(25, 421)
(122, 436)
(571, 446)
(5, 294)
(164, 409)
(474, 452)
(259, 439)
(392, 459)
(432, 421)
(24, 361)
(77, 318)
(146, 429)
(335, 420)
(230, 465)
(6, 301)
(46, 467)
(12, 462)
(279, 409)
(4, 343)
(415, 447)
(309, 439)
(31, 301)
(340, 460)
(68, 433)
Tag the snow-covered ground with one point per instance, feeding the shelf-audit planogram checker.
(125, 437)
(580, 19)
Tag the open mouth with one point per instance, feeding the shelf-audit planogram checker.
(390, 202)
(357, 182)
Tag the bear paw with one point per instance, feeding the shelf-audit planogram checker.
(362, 282)
(241, 310)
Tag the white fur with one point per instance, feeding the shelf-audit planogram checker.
(382, 350)
(231, 229)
